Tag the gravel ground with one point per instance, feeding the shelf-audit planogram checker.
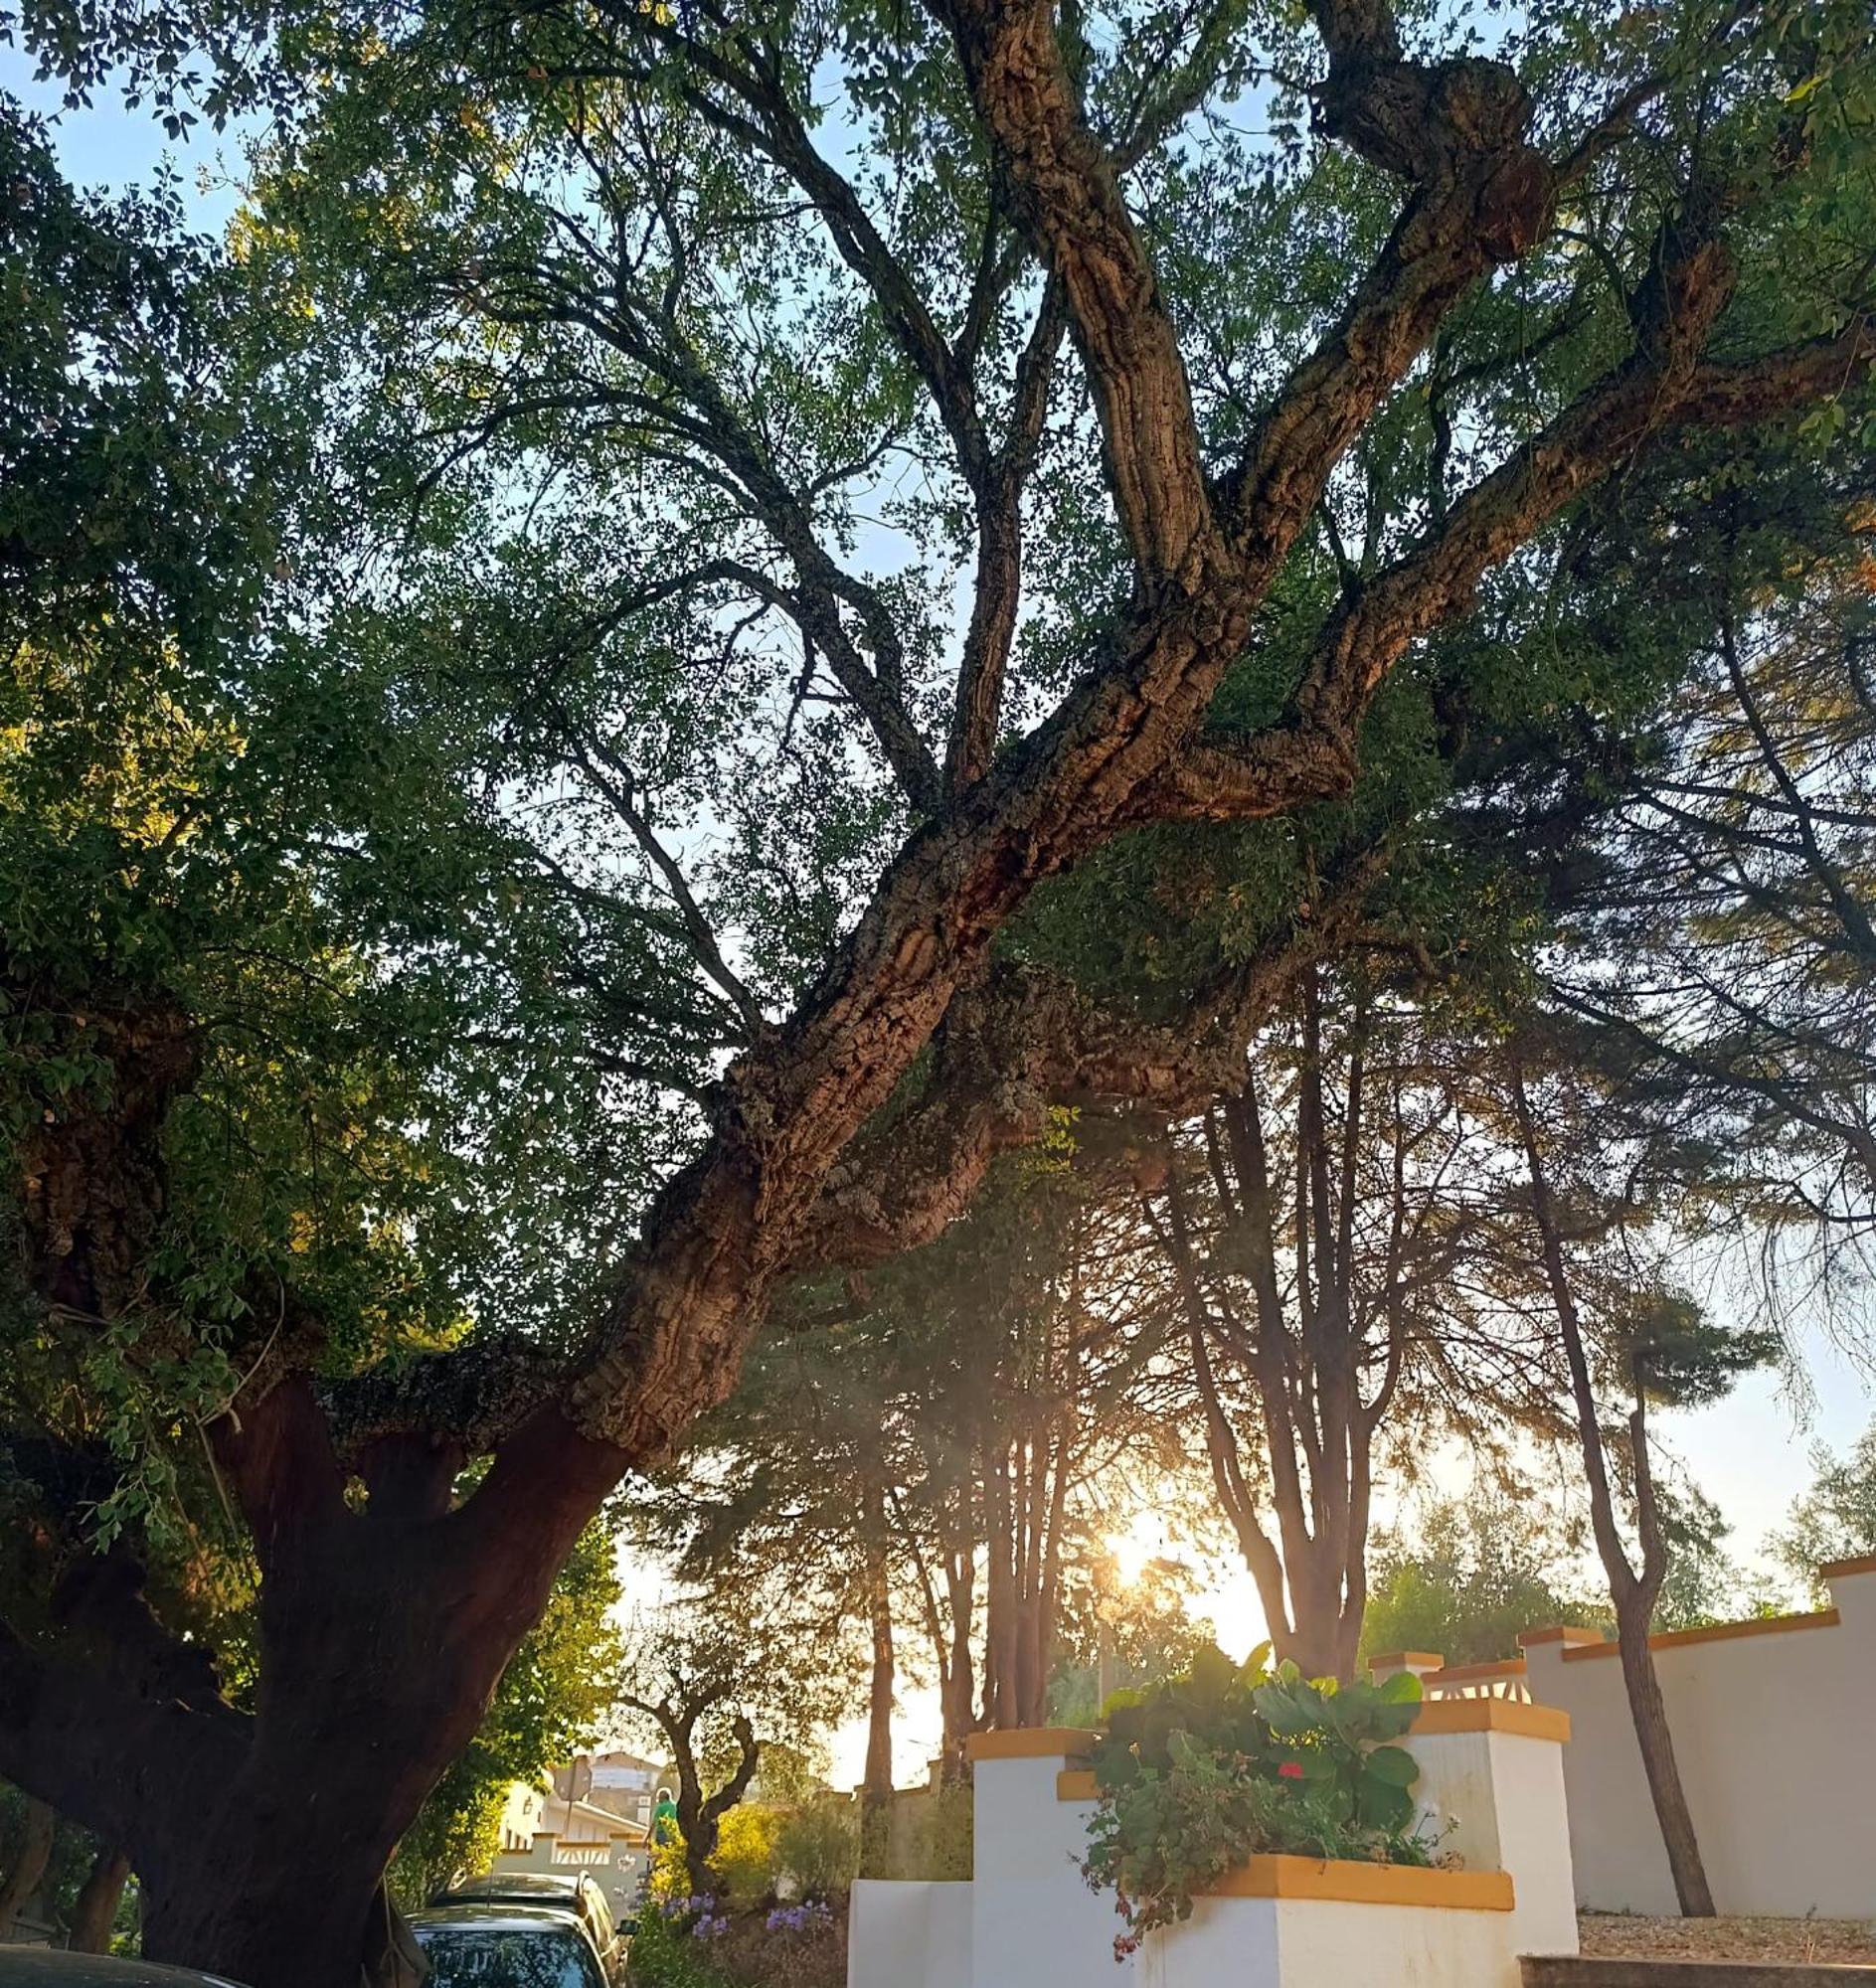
(1618, 1935)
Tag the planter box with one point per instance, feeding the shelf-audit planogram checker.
(1295, 1923)
(1492, 1786)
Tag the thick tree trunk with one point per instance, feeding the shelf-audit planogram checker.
(261, 1841)
(1648, 1710)
(1319, 1639)
(95, 1915)
(271, 1906)
(38, 1825)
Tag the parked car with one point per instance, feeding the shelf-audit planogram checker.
(507, 1947)
(53, 1967)
(572, 1891)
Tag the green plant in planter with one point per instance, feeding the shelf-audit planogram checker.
(1336, 1735)
(1231, 1762)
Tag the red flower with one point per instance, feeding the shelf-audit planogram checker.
(1291, 1770)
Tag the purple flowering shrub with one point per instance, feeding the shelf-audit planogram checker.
(790, 1946)
(813, 1917)
(693, 1943)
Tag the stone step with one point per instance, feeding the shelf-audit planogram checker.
(1574, 1972)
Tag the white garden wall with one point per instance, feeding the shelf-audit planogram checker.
(1027, 1919)
(1775, 1733)
(908, 1932)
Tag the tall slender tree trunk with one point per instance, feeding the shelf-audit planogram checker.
(1649, 1711)
(1311, 1578)
(961, 1717)
(1032, 1677)
(1633, 1595)
(949, 1625)
(879, 1719)
(875, 1788)
(1000, 1705)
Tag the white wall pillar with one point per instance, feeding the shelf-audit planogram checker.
(1852, 1585)
(1033, 1918)
(1492, 1787)
(1027, 1919)
(1416, 1663)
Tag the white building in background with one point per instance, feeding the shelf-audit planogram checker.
(522, 1814)
(593, 1816)
(622, 1784)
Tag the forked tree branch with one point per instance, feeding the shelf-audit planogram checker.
(781, 1180)
(1646, 401)
(1068, 194)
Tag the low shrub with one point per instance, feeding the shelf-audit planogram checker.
(818, 1849)
(698, 1942)
(1227, 1763)
(745, 1860)
(942, 1844)
(667, 1951)
(793, 1946)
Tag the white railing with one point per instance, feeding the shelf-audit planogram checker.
(1505, 1680)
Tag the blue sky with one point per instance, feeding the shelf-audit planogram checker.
(109, 146)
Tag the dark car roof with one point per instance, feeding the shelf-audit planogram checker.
(53, 1967)
(496, 1918)
(514, 1885)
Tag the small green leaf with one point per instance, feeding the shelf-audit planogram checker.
(1393, 1764)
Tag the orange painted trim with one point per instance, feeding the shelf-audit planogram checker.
(1724, 1632)
(1491, 1715)
(1507, 1667)
(1401, 1660)
(1562, 1634)
(1351, 1884)
(1077, 1785)
(1834, 1569)
(1031, 1742)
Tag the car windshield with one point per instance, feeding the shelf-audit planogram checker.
(468, 1957)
